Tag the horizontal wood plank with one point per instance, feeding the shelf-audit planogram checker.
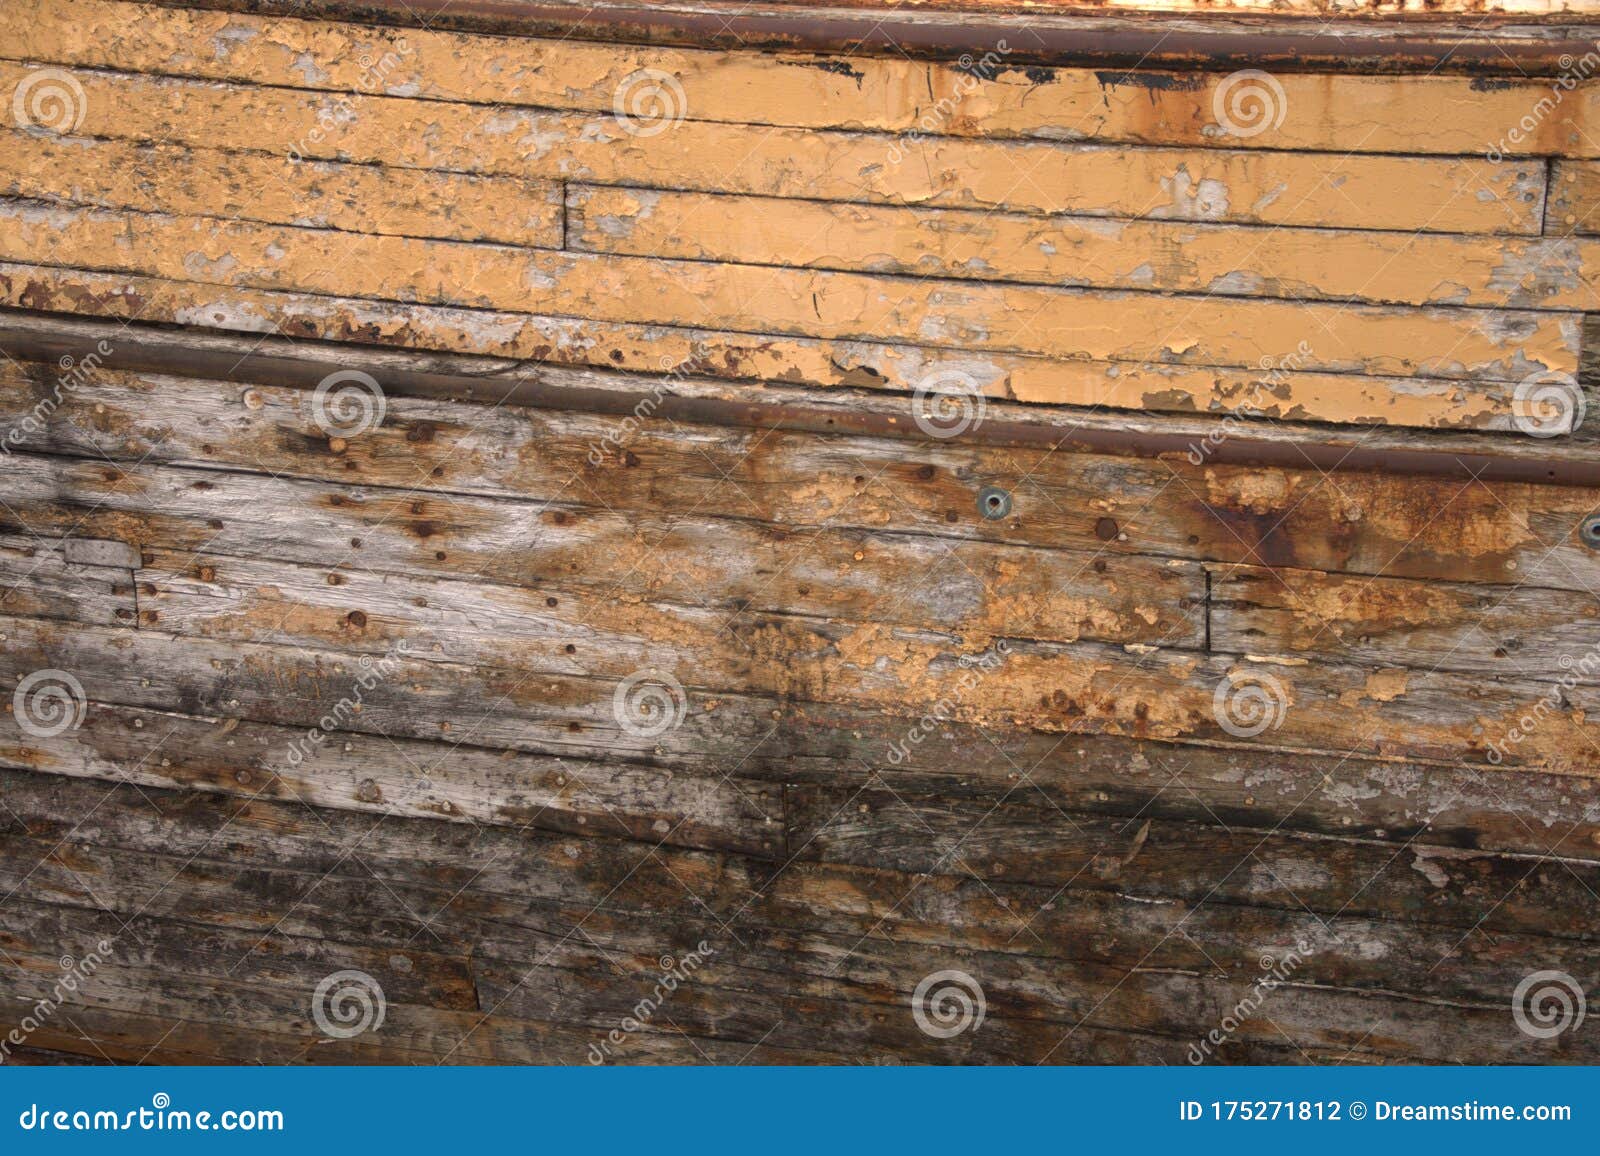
(1065, 323)
(1278, 392)
(119, 174)
(1393, 525)
(989, 97)
(1225, 260)
(1519, 631)
(1456, 195)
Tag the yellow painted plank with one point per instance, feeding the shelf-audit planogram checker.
(1187, 257)
(1067, 323)
(257, 187)
(1574, 203)
(1372, 192)
(1422, 114)
(1279, 392)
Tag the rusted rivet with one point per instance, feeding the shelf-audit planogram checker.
(1589, 531)
(1105, 529)
(993, 502)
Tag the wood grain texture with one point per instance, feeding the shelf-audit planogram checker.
(529, 966)
(1354, 523)
(648, 619)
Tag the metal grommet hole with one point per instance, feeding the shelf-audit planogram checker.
(1589, 531)
(993, 502)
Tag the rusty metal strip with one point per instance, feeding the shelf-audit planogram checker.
(836, 413)
(1485, 45)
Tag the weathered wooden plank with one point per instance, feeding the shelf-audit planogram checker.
(589, 630)
(1093, 687)
(257, 601)
(1520, 631)
(891, 577)
(1377, 114)
(426, 970)
(1067, 323)
(380, 883)
(831, 964)
(274, 1022)
(978, 844)
(1574, 197)
(391, 775)
(38, 581)
(1281, 393)
(1447, 805)
(1446, 194)
(254, 187)
(1354, 522)
(1225, 260)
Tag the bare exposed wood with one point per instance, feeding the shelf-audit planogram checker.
(1518, 631)
(1359, 523)
(531, 964)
